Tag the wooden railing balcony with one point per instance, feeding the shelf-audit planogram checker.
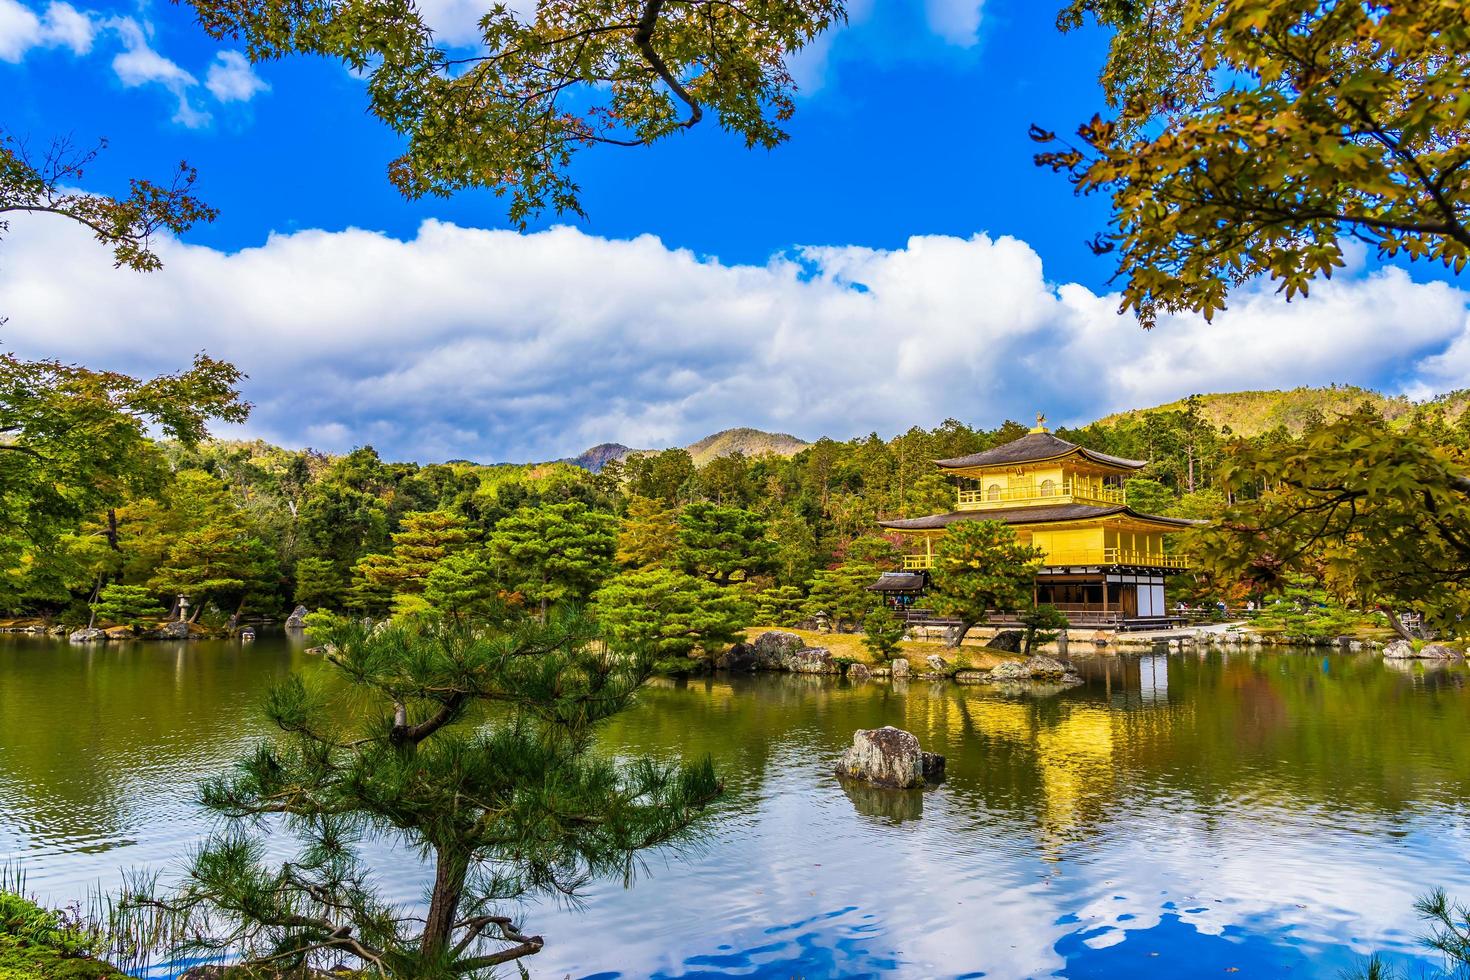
(1066, 492)
(1091, 556)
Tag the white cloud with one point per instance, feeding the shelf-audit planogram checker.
(457, 22)
(497, 346)
(232, 78)
(61, 26)
(957, 21)
(138, 64)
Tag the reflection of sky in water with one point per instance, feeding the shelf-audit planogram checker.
(1260, 817)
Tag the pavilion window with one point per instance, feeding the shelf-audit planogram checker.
(1048, 488)
(993, 493)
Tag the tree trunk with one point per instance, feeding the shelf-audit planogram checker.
(449, 876)
(958, 633)
(112, 529)
(1399, 627)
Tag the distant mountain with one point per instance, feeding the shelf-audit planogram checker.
(1250, 413)
(751, 442)
(597, 457)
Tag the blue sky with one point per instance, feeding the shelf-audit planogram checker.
(898, 261)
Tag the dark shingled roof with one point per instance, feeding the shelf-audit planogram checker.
(898, 582)
(1032, 447)
(1028, 515)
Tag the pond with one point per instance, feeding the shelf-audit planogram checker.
(1263, 814)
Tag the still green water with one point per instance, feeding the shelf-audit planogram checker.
(1256, 815)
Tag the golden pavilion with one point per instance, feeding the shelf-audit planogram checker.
(1104, 562)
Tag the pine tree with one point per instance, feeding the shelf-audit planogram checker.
(723, 544)
(127, 605)
(841, 594)
(319, 584)
(425, 538)
(554, 553)
(882, 632)
(505, 806)
(781, 605)
(465, 585)
(981, 567)
(670, 612)
(649, 533)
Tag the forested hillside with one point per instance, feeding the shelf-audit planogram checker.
(254, 528)
(1250, 413)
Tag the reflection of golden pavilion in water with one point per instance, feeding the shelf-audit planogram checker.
(1078, 747)
(1103, 563)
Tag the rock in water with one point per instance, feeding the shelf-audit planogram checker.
(884, 756)
(935, 665)
(177, 630)
(297, 619)
(858, 672)
(1399, 650)
(1046, 667)
(1034, 669)
(1404, 650)
(889, 757)
(899, 669)
(811, 660)
(88, 635)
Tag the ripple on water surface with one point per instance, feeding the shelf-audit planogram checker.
(1267, 814)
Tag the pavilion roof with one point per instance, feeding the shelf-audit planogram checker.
(899, 582)
(1031, 515)
(1034, 447)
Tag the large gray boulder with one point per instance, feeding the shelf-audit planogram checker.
(858, 672)
(88, 635)
(811, 660)
(297, 619)
(771, 650)
(1404, 650)
(935, 666)
(177, 630)
(899, 668)
(1034, 669)
(888, 757)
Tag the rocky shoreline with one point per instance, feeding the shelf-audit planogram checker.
(778, 651)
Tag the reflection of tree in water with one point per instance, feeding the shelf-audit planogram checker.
(891, 806)
(88, 729)
(1287, 728)
(87, 733)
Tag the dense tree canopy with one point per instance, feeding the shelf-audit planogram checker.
(669, 612)
(575, 73)
(1255, 138)
(1381, 515)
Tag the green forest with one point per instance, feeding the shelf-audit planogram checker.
(120, 504)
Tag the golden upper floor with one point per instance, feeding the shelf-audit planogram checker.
(1038, 469)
